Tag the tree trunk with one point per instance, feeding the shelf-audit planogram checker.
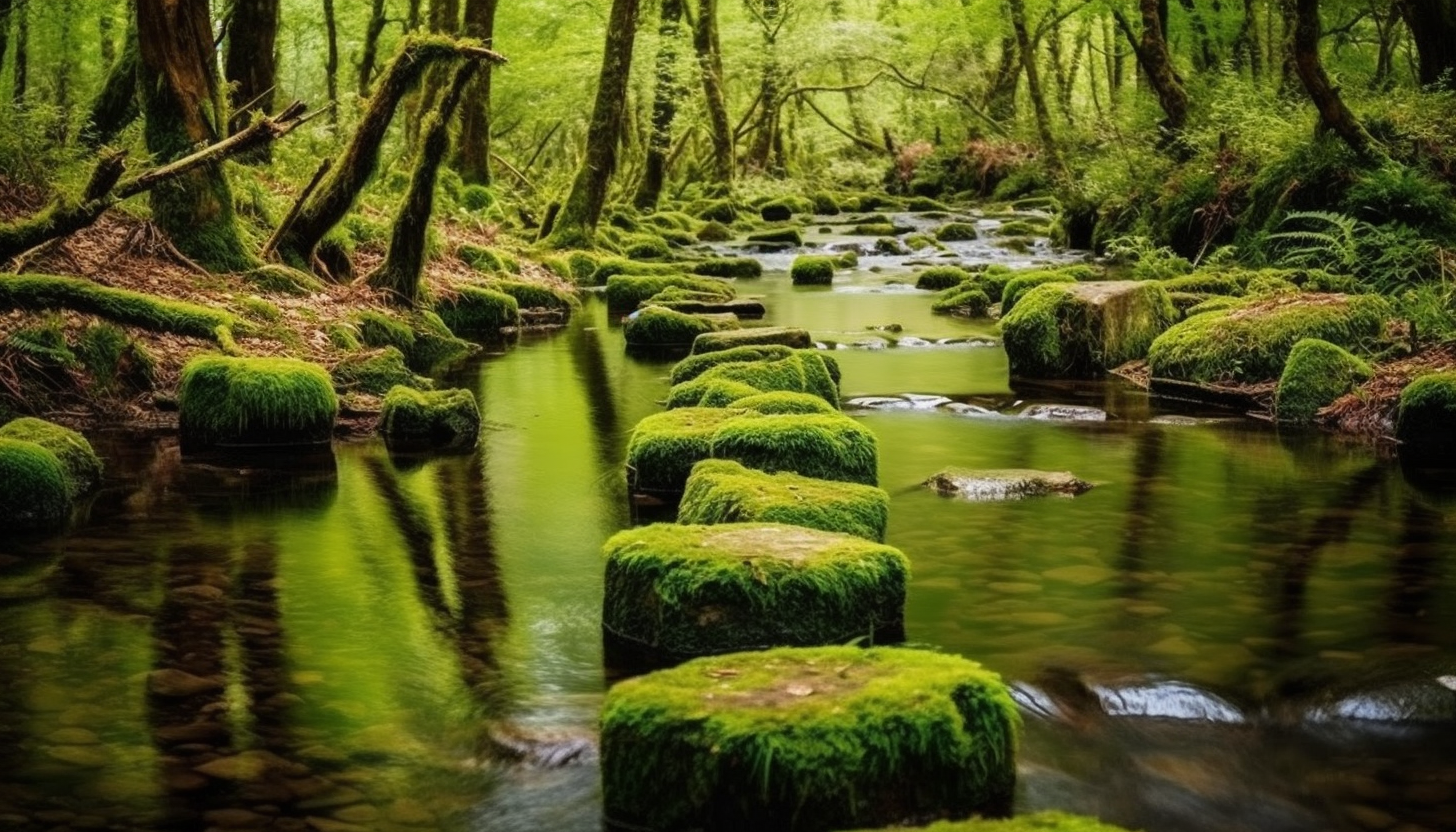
(1033, 83)
(710, 60)
(1333, 112)
(766, 134)
(370, 54)
(1433, 28)
(105, 28)
(115, 106)
(22, 54)
(331, 61)
(857, 121)
(474, 155)
(1204, 58)
(251, 66)
(576, 225)
(1247, 50)
(1157, 63)
(64, 70)
(1001, 94)
(5, 9)
(183, 106)
(664, 107)
(403, 268)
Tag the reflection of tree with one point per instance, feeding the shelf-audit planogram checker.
(1138, 522)
(258, 622)
(413, 524)
(1415, 574)
(589, 362)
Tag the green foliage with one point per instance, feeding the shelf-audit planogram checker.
(728, 742)
(629, 291)
(830, 447)
(474, 311)
(656, 326)
(722, 491)
(44, 342)
(376, 372)
(1148, 260)
(434, 419)
(80, 465)
(1327, 240)
(35, 292)
(1062, 330)
(255, 401)
(941, 277)
(1250, 341)
(34, 494)
(113, 357)
(753, 336)
(812, 270)
(729, 267)
(1315, 374)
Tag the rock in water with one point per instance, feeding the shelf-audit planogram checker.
(1005, 484)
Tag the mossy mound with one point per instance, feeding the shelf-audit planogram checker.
(35, 493)
(629, 291)
(829, 447)
(1024, 282)
(1316, 374)
(808, 739)
(693, 590)
(875, 229)
(1080, 330)
(812, 270)
(35, 292)
(255, 401)
(664, 447)
(424, 338)
(783, 403)
(1426, 420)
(710, 392)
(286, 280)
(535, 295)
(744, 267)
(714, 232)
(972, 302)
(490, 260)
(719, 210)
(1035, 822)
(1250, 341)
(801, 371)
(781, 236)
(657, 326)
(953, 232)
(610, 267)
(723, 491)
(695, 365)
(941, 277)
(437, 419)
(376, 372)
(79, 462)
(645, 247)
(756, 336)
(784, 208)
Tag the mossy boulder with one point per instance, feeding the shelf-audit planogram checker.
(744, 267)
(723, 491)
(1080, 330)
(802, 371)
(482, 258)
(779, 236)
(629, 291)
(812, 270)
(1024, 282)
(610, 267)
(953, 232)
(657, 326)
(645, 247)
(664, 447)
(830, 447)
(35, 490)
(1316, 373)
(693, 590)
(754, 336)
(784, 208)
(972, 302)
(714, 232)
(1034, 822)
(82, 467)
(808, 739)
(695, 365)
(1426, 420)
(781, 403)
(376, 372)
(446, 419)
(719, 210)
(535, 295)
(224, 401)
(1249, 341)
(941, 277)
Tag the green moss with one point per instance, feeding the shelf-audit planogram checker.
(1079, 330)
(609, 267)
(255, 401)
(921, 204)
(1249, 341)
(721, 210)
(722, 491)
(829, 447)
(437, 419)
(1026, 281)
(476, 198)
(1035, 822)
(114, 358)
(435, 344)
(629, 291)
(715, 232)
(785, 206)
(674, 221)
(874, 229)
(343, 336)
(955, 232)
(477, 312)
(754, 336)
(79, 463)
(781, 403)
(283, 280)
(664, 447)
(376, 372)
(656, 326)
(1427, 415)
(1316, 373)
(825, 204)
(745, 267)
(800, 372)
(846, 260)
(937, 278)
(535, 295)
(1207, 282)
(490, 260)
(1022, 228)
(35, 292)
(1213, 304)
(973, 302)
(645, 247)
(380, 329)
(808, 739)
(34, 495)
(812, 270)
(259, 309)
(787, 236)
(695, 365)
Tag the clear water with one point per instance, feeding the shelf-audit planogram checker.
(374, 641)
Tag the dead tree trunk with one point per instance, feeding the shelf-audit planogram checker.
(251, 67)
(403, 268)
(473, 160)
(710, 61)
(577, 223)
(1333, 112)
(664, 107)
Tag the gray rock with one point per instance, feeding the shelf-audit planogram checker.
(1005, 484)
(1064, 413)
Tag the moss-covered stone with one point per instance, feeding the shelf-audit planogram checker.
(808, 739)
(744, 267)
(812, 270)
(489, 260)
(825, 204)
(535, 295)
(723, 491)
(755, 336)
(664, 447)
(972, 302)
(629, 291)
(476, 312)
(801, 371)
(79, 462)
(694, 590)
(782, 236)
(34, 489)
(437, 419)
(953, 232)
(714, 232)
(255, 402)
(829, 447)
(658, 327)
(1080, 330)
(645, 247)
(1426, 420)
(1024, 282)
(719, 210)
(695, 365)
(610, 267)
(1035, 822)
(784, 208)
(1249, 341)
(376, 372)
(875, 229)
(781, 403)
(937, 278)
(1316, 373)
(273, 277)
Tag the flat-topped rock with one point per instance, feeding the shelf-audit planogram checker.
(1081, 330)
(1005, 484)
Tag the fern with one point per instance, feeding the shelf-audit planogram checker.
(1329, 241)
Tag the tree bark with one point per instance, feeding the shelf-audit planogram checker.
(710, 61)
(474, 154)
(1433, 29)
(766, 134)
(1157, 62)
(1204, 57)
(664, 107)
(251, 65)
(22, 54)
(576, 224)
(1033, 83)
(5, 10)
(370, 54)
(1333, 112)
(1001, 94)
(331, 60)
(1247, 50)
(183, 107)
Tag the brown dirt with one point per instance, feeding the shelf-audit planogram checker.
(1369, 410)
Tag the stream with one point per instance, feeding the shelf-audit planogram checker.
(1237, 628)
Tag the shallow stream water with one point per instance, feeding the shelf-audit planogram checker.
(1237, 628)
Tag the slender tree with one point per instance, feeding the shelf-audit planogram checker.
(5, 9)
(664, 106)
(474, 154)
(1433, 29)
(576, 224)
(369, 56)
(22, 53)
(766, 136)
(710, 63)
(251, 65)
(1334, 114)
(331, 59)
